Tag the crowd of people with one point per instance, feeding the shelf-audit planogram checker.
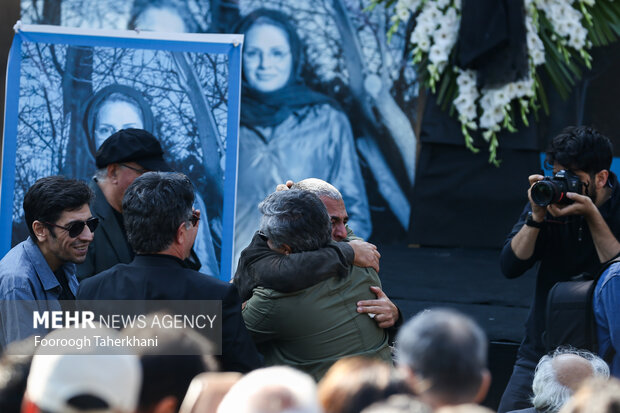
(304, 325)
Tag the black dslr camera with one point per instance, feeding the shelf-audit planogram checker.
(552, 190)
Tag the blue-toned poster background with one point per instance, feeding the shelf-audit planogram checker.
(181, 91)
(347, 57)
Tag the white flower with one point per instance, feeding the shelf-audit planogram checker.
(402, 12)
(499, 97)
(445, 36)
(424, 45)
(498, 114)
(411, 5)
(538, 58)
(438, 54)
(451, 18)
(486, 121)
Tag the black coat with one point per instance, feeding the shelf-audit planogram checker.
(109, 247)
(163, 277)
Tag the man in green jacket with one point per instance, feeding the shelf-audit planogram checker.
(312, 328)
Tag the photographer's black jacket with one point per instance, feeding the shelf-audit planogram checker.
(564, 249)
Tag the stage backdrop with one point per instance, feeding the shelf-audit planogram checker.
(347, 90)
(66, 88)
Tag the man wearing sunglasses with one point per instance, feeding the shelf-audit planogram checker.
(41, 270)
(122, 158)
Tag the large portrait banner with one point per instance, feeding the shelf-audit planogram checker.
(68, 89)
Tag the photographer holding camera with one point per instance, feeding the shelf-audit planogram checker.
(571, 225)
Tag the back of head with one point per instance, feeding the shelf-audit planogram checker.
(319, 188)
(95, 379)
(154, 206)
(207, 390)
(596, 395)
(14, 368)
(48, 197)
(296, 218)
(560, 373)
(272, 390)
(581, 148)
(447, 353)
(399, 403)
(169, 367)
(354, 383)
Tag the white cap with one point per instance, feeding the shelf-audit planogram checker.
(56, 378)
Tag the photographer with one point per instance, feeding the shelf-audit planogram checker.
(574, 233)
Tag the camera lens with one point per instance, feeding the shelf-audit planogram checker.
(543, 193)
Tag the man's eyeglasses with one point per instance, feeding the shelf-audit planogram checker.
(138, 170)
(194, 218)
(75, 228)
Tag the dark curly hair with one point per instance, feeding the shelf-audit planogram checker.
(581, 148)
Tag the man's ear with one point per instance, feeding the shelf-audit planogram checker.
(180, 235)
(287, 249)
(40, 230)
(600, 179)
(485, 383)
(112, 171)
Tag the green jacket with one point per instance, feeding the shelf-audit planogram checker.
(312, 328)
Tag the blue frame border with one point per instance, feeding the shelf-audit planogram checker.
(231, 46)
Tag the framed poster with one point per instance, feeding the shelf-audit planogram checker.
(64, 86)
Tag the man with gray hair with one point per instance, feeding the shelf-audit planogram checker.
(444, 354)
(161, 228)
(311, 328)
(265, 267)
(558, 376)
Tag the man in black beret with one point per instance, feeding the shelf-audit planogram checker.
(122, 158)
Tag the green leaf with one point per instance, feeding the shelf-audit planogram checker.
(541, 94)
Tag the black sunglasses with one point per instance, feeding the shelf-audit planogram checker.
(194, 219)
(75, 228)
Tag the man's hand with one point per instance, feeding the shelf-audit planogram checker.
(582, 205)
(366, 254)
(284, 187)
(386, 313)
(538, 212)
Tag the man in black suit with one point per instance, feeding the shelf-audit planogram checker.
(122, 158)
(161, 228)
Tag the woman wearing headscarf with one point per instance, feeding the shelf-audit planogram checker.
(115, 107)
(288, 131)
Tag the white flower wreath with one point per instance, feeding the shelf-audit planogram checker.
(559, 34)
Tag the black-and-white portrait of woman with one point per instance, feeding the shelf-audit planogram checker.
(73, 97)
(116, 107)
(112, 108)
(347, 73)
(288, 131)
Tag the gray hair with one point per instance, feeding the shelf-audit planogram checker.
(273, 389)
(154, 206)
(101, 174)
(549, 394)
(296, 218)
(319, 188)
(447, 351)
